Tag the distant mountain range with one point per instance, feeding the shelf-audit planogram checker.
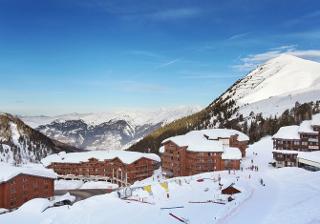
(283, 91)
(102, 131)
(19, 143)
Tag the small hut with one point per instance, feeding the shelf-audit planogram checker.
(230, 190)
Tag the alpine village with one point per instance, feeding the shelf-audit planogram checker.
(164, 112)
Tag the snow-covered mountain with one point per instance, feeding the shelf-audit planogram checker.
(20, 144)
(108, 130)
(256, 103)
(277, 85)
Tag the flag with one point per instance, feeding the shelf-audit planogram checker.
(164, 185)
(148, 189)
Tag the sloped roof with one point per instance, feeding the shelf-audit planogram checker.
(315, 119)
(197, 141)
(305, 127)
(206, 141)
(288, 132)
(312, 156)
(8, 171)
(224, 133)
(126, 157)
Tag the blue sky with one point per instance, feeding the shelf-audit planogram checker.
(64, 56)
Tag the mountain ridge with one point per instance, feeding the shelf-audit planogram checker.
(19, 143)
(228, 111)
(102, 131)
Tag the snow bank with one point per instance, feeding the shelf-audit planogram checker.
(79, 184)
(66, 196)
(34, 206)
(98, 185)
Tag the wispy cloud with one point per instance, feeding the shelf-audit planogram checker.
(303, 18)
(166, 64)
(251, 61)
(238, 36)
(177, 13)
(144, 10)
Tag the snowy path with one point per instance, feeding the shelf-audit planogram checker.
(263, 199)
(259, 205)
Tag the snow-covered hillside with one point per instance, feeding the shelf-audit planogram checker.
(256, 103)
(108, 130)
(20, 144)
(277, 85)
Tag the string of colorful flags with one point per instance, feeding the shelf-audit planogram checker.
(164, 185)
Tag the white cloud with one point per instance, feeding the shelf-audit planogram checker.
(238, 36)
(251, 61)
(168, 63)
(179, 13)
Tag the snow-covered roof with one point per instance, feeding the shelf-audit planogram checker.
(161, 149)
(305, 127)
(8, 171)
(198, 142)
(126, 157)
(224, 133)
(286, 151)
(315, 119)
(288, 132)
(231, 153)
(292, 132)
(312, 156)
